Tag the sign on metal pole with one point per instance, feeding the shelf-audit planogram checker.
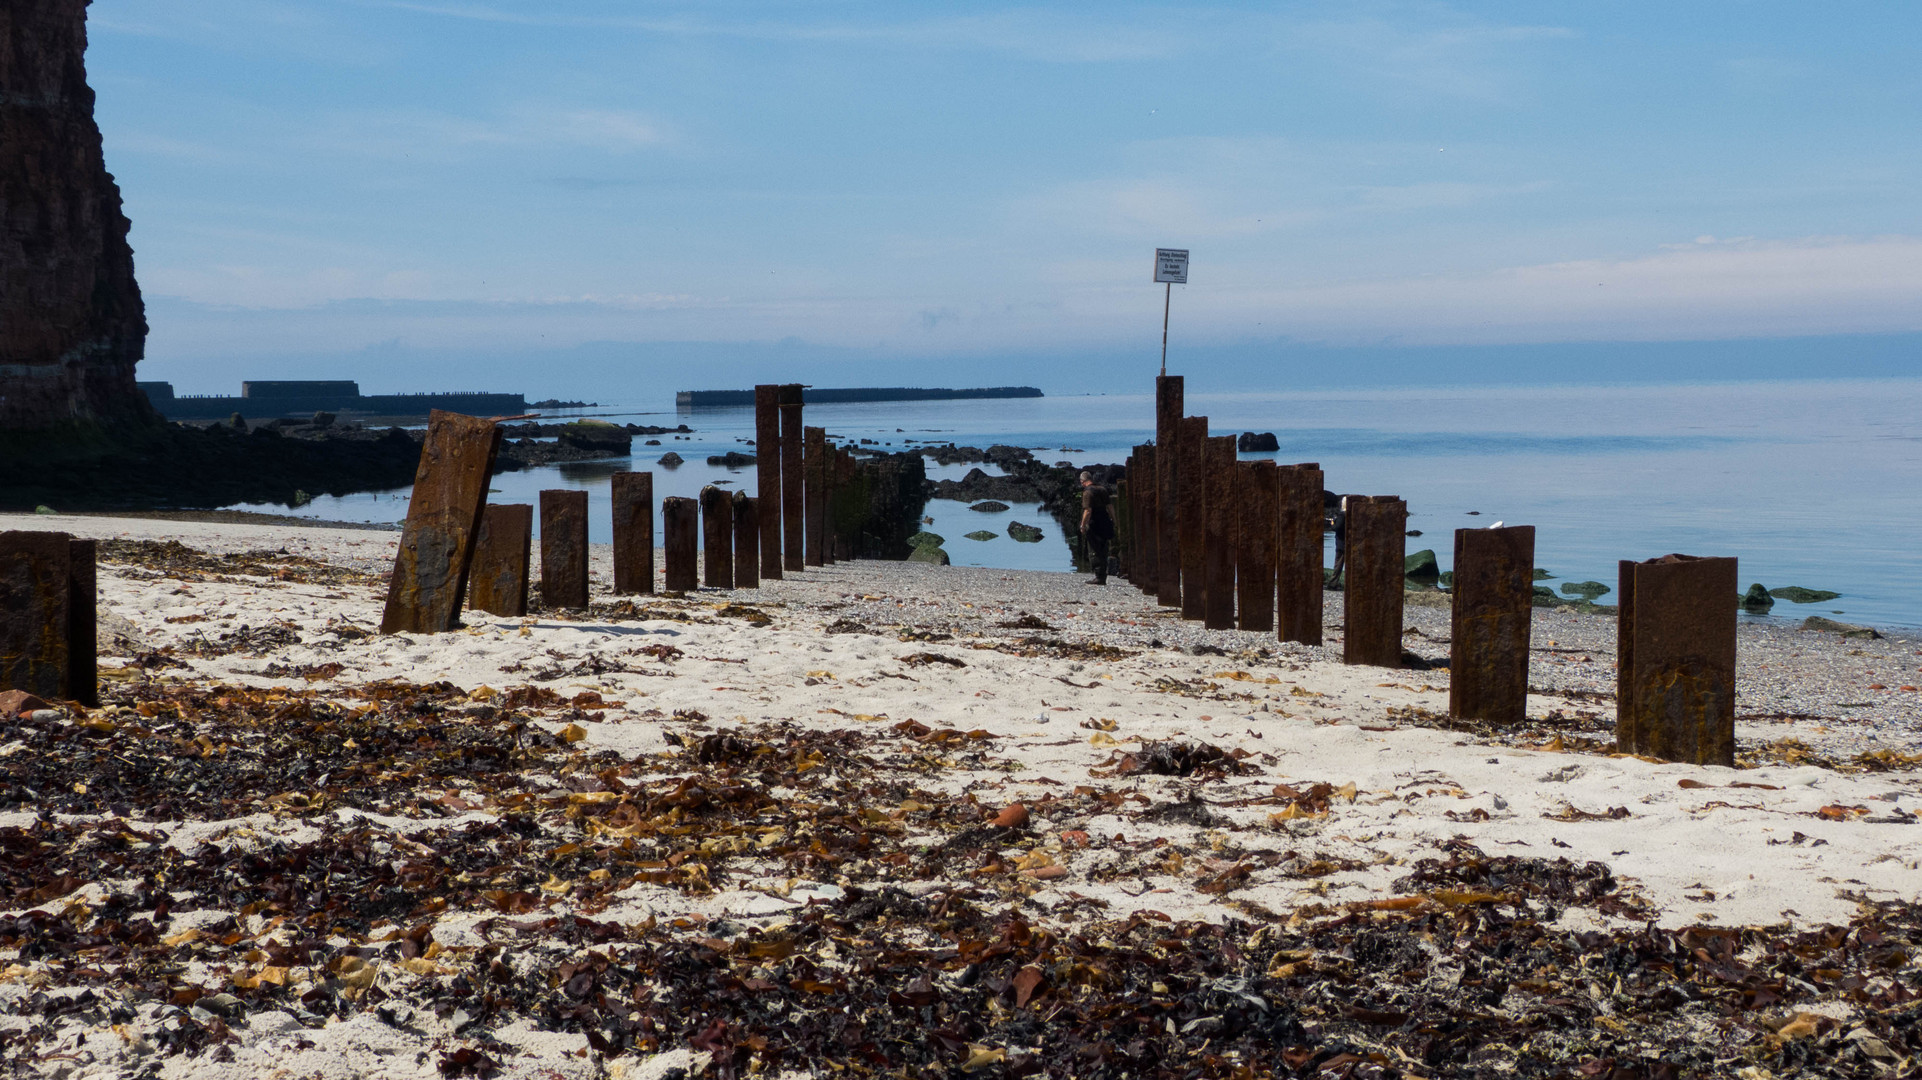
(1171, 269)
(1171, 266)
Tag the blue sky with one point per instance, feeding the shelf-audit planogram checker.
(412, 192)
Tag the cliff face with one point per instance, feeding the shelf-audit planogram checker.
(72, 325)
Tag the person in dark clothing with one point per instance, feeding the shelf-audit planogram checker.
(1334, 509)
(1097, 526)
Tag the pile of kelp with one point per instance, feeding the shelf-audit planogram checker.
(932, 934)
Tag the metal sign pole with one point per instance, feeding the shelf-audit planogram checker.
(1171, 268)
(1166, 296)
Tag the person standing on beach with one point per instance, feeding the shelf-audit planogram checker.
(1097, 526)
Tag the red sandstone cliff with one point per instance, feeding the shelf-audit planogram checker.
(71, 322)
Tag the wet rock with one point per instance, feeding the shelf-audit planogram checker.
(978, 485)
(1421, 568)
(981, 534)
(1027, 534)
(930, 553)
(1252, 443)
(990, 507)
(1588, 590)
(733, 459)
(596, 435)
(1796, 594)
(671, 460)
(1757, 598)
(1847, 630)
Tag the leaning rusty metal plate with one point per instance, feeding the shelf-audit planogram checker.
(437, 541)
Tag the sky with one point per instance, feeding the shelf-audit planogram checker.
(546, 195)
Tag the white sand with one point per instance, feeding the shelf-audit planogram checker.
(1730, 855)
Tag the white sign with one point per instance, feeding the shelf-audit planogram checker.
(1171, 264)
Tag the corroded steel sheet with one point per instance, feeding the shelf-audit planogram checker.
(1255, 546)
(1372, 589)
(1144, 489)
(1675, 644)
(717, 537)
(793, 495)
(681, 527)
(747, 541)
(1169, 396)
(1223, 519)
(36, 613)
(1192, 480)
(633, 494)
(83, 621)
(1298, 553)
(767, 476)
(815, 482)
(564, 548)
(443, 516)
(1493, 605)
(498, 582)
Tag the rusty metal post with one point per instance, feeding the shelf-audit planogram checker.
(633, 494)
(1144, 484)
(36, 613)
(1222, 518)
(830, 473)
(1675, 650)
(747, 541)
(1488, 639)
(564, 548)
(498, 582)
(1192, 477)
(437, 542)
(83, 622)
(1168, 406)
(767, 475)
(793, 495)
(814, 484)
(680, 526)
(1255, 554)
(1298, 551)
(1372, 593)
(717, 538)
(847, 515)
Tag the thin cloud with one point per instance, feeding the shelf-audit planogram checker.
(1037, 35)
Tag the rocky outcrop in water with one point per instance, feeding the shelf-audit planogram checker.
(72, 325)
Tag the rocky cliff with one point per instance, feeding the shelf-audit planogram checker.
(72, 325)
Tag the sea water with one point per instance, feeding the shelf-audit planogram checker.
(1813, 483)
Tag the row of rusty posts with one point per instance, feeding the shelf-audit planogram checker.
(799, 476)
(454, 547)
(1238, 545)
(48, 623)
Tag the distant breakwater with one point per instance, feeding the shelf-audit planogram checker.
(707, 399)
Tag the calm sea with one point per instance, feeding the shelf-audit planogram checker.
(1809, 483)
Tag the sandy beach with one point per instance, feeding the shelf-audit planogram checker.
(933, 820)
